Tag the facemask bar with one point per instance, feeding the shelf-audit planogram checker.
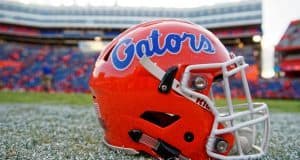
(253, 109)
(183, 89)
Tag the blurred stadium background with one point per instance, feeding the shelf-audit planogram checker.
(51, 47)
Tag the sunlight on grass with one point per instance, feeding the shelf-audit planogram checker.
(45, 98)
(275, 105)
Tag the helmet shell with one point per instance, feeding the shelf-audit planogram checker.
(124, 90)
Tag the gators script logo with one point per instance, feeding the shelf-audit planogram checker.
(150, 46)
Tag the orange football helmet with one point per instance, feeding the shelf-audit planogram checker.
(152, 90)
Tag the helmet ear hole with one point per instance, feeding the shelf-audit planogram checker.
(160, 119)
(189, 137)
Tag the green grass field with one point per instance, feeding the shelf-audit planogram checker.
(80, 99)
(48, 126)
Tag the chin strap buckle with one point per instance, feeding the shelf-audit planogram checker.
(166, 82)
(163, 149)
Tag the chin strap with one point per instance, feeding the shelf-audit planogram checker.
(164, 150)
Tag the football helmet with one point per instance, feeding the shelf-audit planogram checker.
(152, 88)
